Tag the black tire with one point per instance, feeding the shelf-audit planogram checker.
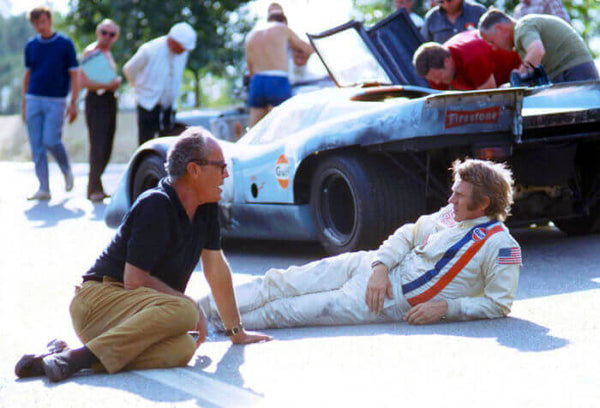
(579, 225)
(589, 179)
(358, 200)
(147, 175)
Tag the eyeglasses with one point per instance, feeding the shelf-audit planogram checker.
(110, 34)
(444, 1)
(217, 163)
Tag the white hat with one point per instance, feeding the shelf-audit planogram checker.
(184, 34)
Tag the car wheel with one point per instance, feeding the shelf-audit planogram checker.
(357, 201)
(147, 175)
(579, 225)
(589, 180)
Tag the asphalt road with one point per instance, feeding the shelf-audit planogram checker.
(544, 355)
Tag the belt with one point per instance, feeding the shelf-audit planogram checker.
(103, 279)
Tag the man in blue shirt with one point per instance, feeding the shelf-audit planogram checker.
(50, 70)
(451, 17)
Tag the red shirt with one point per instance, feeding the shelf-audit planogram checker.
(475, 61)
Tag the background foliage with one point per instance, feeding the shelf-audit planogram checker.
(221, 26)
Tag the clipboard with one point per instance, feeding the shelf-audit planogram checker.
(97, 68)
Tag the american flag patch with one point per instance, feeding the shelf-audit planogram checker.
(508, 256)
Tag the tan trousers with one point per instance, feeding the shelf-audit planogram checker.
(133, 329)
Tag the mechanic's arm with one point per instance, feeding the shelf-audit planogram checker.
(533, 56)
(489, 83)
(72, 108)
(26, 77)
(218, 275)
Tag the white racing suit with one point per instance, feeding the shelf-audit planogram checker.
(473, 265)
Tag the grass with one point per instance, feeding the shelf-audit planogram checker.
(14, 144)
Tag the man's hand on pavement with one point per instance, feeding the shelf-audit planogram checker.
(378, 288)
(245, 337)
(426, 313)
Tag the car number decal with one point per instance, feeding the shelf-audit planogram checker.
(282, 171)
(460, 118)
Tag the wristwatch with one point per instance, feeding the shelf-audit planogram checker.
(234, 330)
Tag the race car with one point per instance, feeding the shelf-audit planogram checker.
(346, 166)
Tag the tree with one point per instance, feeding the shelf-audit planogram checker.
(14, 33)
(220, 25)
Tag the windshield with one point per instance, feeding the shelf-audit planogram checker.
(349, 60)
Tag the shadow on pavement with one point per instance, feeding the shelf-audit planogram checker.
(227, 371)
(545, 250)
(51, 215)
(98, 212)
(519, 334)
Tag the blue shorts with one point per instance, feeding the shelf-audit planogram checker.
(268, 90)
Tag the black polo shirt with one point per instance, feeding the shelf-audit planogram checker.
(157, 236)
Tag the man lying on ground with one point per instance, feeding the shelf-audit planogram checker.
(459, 263)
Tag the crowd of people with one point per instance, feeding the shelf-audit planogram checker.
(131, 311)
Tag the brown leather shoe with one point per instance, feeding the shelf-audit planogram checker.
(30, 365)
(56, 367)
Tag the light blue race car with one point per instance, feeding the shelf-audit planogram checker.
(346, 166)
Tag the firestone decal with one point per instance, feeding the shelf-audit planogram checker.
(282, 171)
(460, 118)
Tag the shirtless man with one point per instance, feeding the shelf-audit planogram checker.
(267, 60)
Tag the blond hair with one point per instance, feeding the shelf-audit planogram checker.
(489, 179)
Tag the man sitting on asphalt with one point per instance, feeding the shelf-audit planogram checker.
(267, 60)
(459, 263)
(541, 39)
(131, 311)
(464, 62)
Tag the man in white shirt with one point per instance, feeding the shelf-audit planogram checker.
(460, 263)
(155, 73)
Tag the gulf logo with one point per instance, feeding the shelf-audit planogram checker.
(479, 234)
(282, 171)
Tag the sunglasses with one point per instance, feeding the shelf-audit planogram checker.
(220, 164)
(443, 1)
(110, 34)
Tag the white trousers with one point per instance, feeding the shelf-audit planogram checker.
(330, 291)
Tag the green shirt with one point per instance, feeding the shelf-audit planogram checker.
(564, 47)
